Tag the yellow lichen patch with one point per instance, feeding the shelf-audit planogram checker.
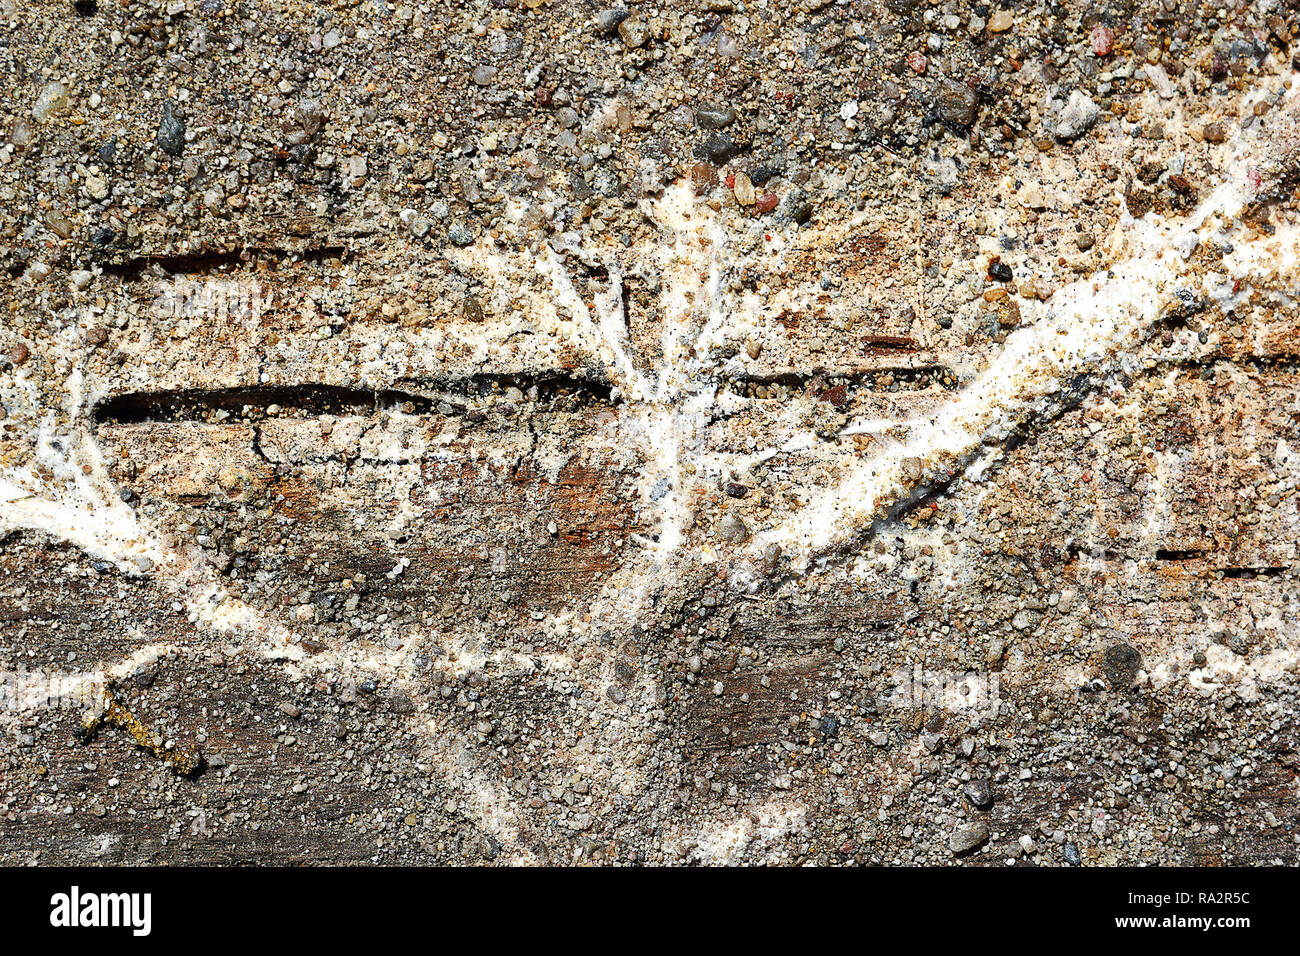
(185, 761)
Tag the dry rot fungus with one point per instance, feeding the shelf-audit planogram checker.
(726, 433)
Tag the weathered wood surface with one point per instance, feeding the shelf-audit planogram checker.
(463, 480)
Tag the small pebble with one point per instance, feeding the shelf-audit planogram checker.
(171, 130)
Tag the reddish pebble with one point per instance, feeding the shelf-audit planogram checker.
(917, 62)
(766, 202)
(1103, 40)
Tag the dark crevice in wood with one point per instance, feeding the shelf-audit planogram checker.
(890, 343)
(1173, 554)
(194, 404)
(1251, 573)
(203, 262)
(299, 401)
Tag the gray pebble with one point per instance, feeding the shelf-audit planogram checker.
(171, 130)
(1079, 116)
(979, 793)
(715, 117)
(607, 21)
(732, 529)
(968, 837)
